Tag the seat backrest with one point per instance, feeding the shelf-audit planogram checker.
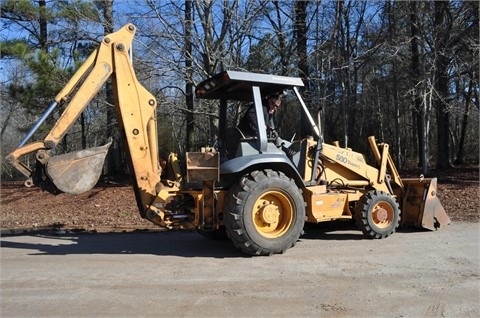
(232, 139)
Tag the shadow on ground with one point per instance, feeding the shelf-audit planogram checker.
(176, 243)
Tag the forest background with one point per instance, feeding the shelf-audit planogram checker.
(404, 71)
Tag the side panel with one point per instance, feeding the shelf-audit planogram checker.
(348, 168)
(323, 206)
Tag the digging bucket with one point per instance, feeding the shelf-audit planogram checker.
(421, 206)
(78, 171)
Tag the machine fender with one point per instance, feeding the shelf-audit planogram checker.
(276, 161)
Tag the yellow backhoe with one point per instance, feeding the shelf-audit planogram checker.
(258, 191)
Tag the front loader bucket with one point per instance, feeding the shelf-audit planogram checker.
(79, 171)
(421, 206)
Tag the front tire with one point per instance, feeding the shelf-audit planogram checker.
(377, 214)
(265, 213)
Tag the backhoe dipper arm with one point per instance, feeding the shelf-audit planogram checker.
(62, 96)
(135, 108)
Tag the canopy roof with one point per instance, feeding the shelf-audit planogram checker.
(234, 85)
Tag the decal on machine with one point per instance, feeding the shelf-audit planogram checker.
(338, 203)
(342, 159)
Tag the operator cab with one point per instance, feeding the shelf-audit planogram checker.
(234, 89)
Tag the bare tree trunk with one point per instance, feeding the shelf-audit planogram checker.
(441, 85)
(398, 135)
(392, 31)
(6, 120)
(84, 133)
(344, 47)
(43, 43)
(204, 9)
(418, 111)
(115, 164)
(189, 77)
(301, 36)
(281, 39)
(461, 146)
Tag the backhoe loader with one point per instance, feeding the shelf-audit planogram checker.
(259, 191)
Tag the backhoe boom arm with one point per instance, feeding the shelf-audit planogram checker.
(136, 110)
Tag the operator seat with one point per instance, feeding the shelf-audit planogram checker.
(233, 136)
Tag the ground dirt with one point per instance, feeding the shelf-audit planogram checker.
(111, 205)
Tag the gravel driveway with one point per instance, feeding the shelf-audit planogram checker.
(329, 273)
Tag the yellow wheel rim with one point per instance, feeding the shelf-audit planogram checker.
(273, 214)
(383, 214)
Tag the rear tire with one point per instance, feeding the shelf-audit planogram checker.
(265, 213)
(377, 214)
